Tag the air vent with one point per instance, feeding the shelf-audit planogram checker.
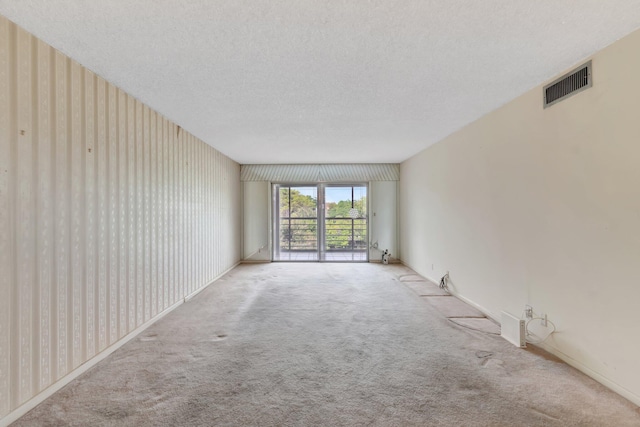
(568, 85)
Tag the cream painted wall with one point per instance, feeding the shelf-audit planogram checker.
(109, 216)
(256, 206)
(383, 215)
(541, 206)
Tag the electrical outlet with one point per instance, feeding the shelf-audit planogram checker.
(528, 311)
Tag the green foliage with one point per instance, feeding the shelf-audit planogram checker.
(340, 230)
(297, 232)
(342, 208)
(301, 205)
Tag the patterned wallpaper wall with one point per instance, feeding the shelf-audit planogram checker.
(109, 214)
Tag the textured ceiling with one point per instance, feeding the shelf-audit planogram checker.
(300, 81)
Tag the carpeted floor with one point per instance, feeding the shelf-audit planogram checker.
(326, 345)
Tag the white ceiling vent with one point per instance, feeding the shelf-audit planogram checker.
(568, 85)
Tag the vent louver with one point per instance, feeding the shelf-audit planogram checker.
(568, 85)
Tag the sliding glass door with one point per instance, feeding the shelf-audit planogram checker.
(296, 223)
(344, 236)
(320, 223)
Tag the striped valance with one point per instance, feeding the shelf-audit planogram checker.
(343, 173)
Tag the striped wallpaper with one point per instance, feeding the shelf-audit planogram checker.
(309, 174)
(109, 214)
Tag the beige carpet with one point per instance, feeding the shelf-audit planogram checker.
(325, 345)
(450, 307)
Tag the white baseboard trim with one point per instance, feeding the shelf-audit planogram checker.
(247, 258)
(197, 291)
(21, 410)
(251, 255)
(482, 309)
(379, 261)
(612, 385)
(49, 391)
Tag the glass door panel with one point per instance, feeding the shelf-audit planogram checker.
(296, 234)
(344, 236)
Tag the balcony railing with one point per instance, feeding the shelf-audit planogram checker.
(299, 234)
(345, 234)
(341, 234)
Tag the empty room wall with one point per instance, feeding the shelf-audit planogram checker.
(256, 228)
(109, 215)
(383, 215)
(541, 206)
(382, 180)
(383, 225)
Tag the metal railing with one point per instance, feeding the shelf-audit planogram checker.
(345, 234)
(298, 234)
(341, 234)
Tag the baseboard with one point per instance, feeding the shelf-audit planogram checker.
(247, 259)
(252, 254)
(627, 394)
(612, 385)
(482, 309)
(466, 300)
(391, 261)
(49, 391)
(197, 291)
(21, 410)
